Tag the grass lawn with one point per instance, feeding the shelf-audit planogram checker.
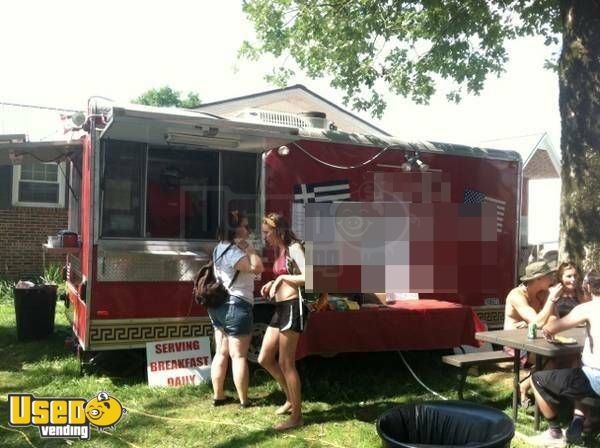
(343, 397)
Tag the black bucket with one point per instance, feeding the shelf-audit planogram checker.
(34, 311)
(444, 424)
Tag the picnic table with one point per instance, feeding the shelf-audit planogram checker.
(517, 340)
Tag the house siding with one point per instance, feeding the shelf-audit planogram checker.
(23, 230)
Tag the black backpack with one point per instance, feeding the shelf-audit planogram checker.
(209, 291)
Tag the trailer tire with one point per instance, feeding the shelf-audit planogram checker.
(258, 333)
(84, 359)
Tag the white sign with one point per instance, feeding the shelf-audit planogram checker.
(178, 363)
(394, 296)
(298, 219)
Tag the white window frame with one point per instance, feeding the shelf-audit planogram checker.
(61, 189)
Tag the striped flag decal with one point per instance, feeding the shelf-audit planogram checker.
(477, 197)
(337, 190)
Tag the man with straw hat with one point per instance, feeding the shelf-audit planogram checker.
(531, 302)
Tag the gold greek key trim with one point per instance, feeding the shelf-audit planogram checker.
(492, 315)
(121, 333)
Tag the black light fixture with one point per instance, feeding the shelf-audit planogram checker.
(414, 163)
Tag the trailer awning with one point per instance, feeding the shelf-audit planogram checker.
(24, 152)
(190, 128)
(176, 127)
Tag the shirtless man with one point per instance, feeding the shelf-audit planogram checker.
(575, 383)
(531, 301)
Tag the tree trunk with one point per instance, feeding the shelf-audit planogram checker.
(579, 101)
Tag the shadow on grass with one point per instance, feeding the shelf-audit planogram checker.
(341, 413)
(348, 387)
(368, 377)
(15, 353)
(35, 363)
(361, 387)
(15, 439)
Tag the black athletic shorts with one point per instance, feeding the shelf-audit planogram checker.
(554, 385)
(287, 316)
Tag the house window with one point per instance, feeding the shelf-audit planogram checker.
(39, 184)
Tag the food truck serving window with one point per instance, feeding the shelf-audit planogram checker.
(182, 194)
(164, 193)
(121, 189)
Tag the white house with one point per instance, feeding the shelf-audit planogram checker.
(293, 99)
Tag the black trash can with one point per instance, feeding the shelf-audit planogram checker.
(445, 423)
(34, 310)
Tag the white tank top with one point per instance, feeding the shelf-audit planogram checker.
(589, 357)
(591, 362)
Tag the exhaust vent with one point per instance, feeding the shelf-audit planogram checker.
(316, 119)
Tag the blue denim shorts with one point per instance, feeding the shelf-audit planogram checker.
(234, 317)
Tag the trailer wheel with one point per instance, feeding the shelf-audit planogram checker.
(85, 359)
(258, 333)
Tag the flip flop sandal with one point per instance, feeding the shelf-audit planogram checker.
(527, 404)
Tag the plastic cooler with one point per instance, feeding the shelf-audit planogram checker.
(34, 310)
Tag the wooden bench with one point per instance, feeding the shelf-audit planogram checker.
(467, 360)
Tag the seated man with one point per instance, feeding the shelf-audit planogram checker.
(531, 302)
(528, 302)
(549, 386)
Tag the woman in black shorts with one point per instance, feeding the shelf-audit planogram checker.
(289, 320)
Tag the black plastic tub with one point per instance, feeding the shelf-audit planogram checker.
(445, 424)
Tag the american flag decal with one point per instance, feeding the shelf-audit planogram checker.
(337, 190)
(477, 197)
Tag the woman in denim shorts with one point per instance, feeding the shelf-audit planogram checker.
(236, 263)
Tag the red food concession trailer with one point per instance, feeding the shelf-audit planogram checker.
(153, 183)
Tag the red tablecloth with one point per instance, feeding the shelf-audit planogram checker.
(407, 325)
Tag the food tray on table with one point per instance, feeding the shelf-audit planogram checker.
(563, 340)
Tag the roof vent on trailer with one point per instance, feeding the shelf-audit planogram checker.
(302, 120)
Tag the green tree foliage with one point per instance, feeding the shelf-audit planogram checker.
(407, 46)
(167, 97)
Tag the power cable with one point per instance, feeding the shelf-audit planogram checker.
(64, 173)
(31, 106)
(20, 432)
(418, 379)
(55, 159)
(340, 167)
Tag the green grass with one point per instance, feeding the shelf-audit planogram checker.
(6, 292)
(343, 396)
